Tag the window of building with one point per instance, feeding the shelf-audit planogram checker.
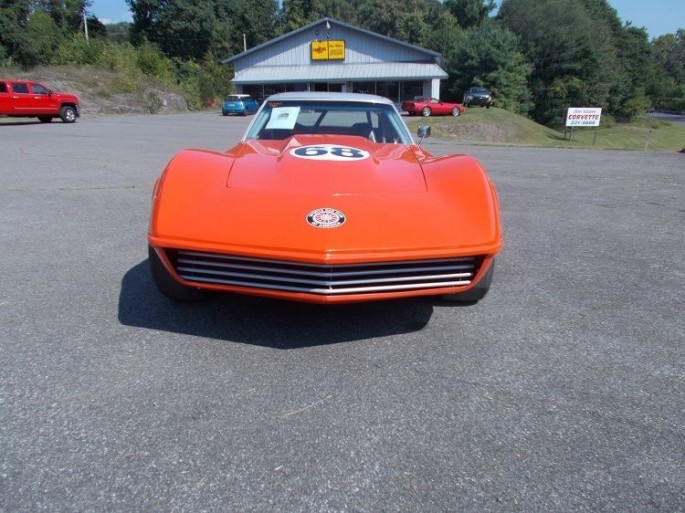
(411, 89)
(390, 90)
(364, 87)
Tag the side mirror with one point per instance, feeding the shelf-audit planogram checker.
(422, 132)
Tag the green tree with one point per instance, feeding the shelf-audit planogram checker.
(470, 13)
(298, 13)
(14, 41)
(445, 35)
(144, 14)
(489, 55)
(566, 46)
(118, 32)
(399, 19)
(67, 14)
(187, 29)
(669, 54)
(190, 29)
(42, 36)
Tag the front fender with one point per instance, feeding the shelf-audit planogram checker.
(461, 181)
(191, 177)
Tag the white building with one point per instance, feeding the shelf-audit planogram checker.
(329, 55)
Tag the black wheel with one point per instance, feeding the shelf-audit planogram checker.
(45, 119)
(170, 287)
(426, 112)
(476, 293)
(456, 111)
(67, 114)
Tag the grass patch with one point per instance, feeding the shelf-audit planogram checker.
(496, 126)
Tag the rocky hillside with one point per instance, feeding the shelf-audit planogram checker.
(103, 92)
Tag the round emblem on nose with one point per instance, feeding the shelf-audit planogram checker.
(326, 218)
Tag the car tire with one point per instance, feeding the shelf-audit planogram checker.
(426, 112)
(67, 114)
(456, 111)
(476, 293)
(45, 119)
(170, 287)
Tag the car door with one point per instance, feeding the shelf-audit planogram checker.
(437, 107)
(5, 99)
(42, 99)
(22, 100)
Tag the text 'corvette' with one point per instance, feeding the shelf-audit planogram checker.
(326, 199)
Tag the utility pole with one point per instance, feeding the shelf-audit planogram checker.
(85, 24)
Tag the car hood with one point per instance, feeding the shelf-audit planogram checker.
(382, 205)
(65, 96)
(326, 166)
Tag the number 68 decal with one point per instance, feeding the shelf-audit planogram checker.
(329, 152)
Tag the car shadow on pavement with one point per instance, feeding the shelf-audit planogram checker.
(23, 122)
(265, 322)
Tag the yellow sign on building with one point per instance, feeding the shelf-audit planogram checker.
(328, 50)
(336, 50)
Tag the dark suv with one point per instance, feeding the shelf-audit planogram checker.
(477, 95)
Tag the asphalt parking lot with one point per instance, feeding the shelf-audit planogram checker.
(562, 391)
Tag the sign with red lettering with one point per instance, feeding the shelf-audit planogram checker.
(583, 116)
(333, 50)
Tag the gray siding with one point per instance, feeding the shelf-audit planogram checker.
(361, 48)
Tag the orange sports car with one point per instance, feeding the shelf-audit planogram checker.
(326, 199)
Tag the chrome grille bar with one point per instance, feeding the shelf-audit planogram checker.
(324, 279)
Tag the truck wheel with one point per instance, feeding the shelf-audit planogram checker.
(45, 119)
(67, 114)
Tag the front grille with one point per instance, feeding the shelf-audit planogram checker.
(326, 279)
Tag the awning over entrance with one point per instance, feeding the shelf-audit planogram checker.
(339, 72)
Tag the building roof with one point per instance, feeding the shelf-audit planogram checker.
(340, 72)
(434, 56)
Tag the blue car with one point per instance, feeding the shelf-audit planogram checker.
(242, 104)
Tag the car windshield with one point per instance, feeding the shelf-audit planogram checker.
(375, 121)
(236, 98)
(480, 90)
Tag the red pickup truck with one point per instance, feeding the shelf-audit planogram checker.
(27, 99)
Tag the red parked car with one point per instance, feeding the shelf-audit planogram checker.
(431, 107)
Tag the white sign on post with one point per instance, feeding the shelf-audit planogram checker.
(583, 116)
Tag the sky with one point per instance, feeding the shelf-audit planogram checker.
(659, 17)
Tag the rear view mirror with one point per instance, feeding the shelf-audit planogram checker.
(423, 131)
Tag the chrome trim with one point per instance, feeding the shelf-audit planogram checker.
(322, 279)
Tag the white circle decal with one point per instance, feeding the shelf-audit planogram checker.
(329, 152)
(326, 218)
